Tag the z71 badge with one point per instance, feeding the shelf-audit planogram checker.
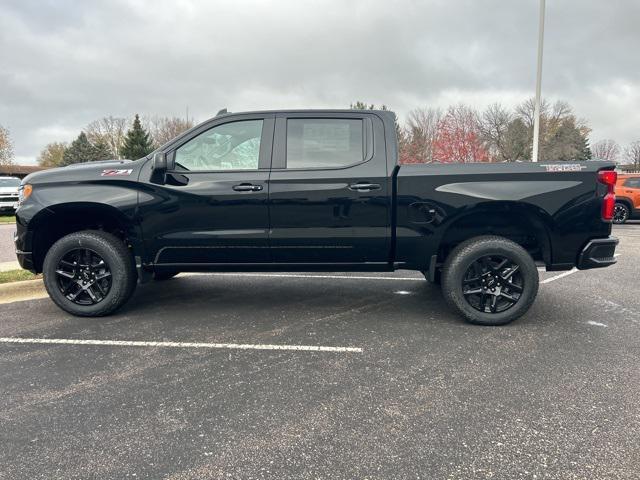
(114, 172)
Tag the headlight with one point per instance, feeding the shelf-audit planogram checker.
(24, 192)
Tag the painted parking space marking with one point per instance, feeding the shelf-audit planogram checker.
(131, 343)
(565, 274)
(558, 277)
(596, 324)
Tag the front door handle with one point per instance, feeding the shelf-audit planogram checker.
(364, 187)
(247, 187)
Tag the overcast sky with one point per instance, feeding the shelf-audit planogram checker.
(64, 63)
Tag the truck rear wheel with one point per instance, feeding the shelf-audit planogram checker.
(490, 280)
(89, 273)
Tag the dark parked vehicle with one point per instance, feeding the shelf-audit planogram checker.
(312, 191)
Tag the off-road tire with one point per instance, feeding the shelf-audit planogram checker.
(114, 253)
(461, 259)
(621, 213)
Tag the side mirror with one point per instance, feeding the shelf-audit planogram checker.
(159, 162)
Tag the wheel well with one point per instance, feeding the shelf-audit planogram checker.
(525, 228)
(55, 223)
(626, 201)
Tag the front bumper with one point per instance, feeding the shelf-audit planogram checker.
(598, 253)
(8, 205)
(23, 240)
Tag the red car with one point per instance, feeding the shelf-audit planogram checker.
(627, 198)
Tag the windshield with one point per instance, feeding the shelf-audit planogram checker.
(9, 182)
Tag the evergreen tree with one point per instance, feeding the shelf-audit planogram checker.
(584, 150)
(517, 141)
(138, 142)
(81, 150)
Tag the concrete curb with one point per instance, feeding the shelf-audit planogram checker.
(8, 266)
(20, 291)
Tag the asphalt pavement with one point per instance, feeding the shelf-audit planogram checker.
(407, 389)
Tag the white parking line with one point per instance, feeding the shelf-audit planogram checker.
(128, 343)
(596, 324)
(565, 274)
(557, 277)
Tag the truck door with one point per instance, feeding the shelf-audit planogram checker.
(212, 207)
(632, 191)
(329, 193)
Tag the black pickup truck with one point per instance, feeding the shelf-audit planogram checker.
(312, 191)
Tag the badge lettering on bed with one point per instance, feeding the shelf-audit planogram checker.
(569, 167)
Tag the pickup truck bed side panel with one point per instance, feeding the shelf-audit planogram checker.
(566, 204)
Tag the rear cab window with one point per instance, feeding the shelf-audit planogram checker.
(324, 143)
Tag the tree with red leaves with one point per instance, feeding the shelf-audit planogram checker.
(458, 138)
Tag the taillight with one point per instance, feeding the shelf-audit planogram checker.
(608, 178)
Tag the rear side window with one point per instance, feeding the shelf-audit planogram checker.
(324, 142)
(632, 183)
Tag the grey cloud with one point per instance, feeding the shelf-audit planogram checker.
(66, 63)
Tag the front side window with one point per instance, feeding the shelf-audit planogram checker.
(324, 142)
(231, 146)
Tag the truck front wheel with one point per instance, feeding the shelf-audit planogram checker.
(490, 280)
(89, 273)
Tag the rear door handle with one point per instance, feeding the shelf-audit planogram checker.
(247, 187)
(364, 187)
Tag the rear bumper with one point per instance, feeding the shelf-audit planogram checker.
(598, 253)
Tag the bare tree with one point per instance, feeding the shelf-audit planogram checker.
(458, 138)
(420, 134)
(494, 130)
(562, 135)
(632, 154)
(109, 131)
(52, 155)
(525, 111)
(6, 147)
(608, 150)
(163, 129)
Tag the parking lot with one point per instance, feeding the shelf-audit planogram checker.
(239, 384)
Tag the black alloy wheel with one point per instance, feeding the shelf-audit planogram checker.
(493, 284)
(83, 277)
(620, 213)
(490, 280)
(90, 273)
